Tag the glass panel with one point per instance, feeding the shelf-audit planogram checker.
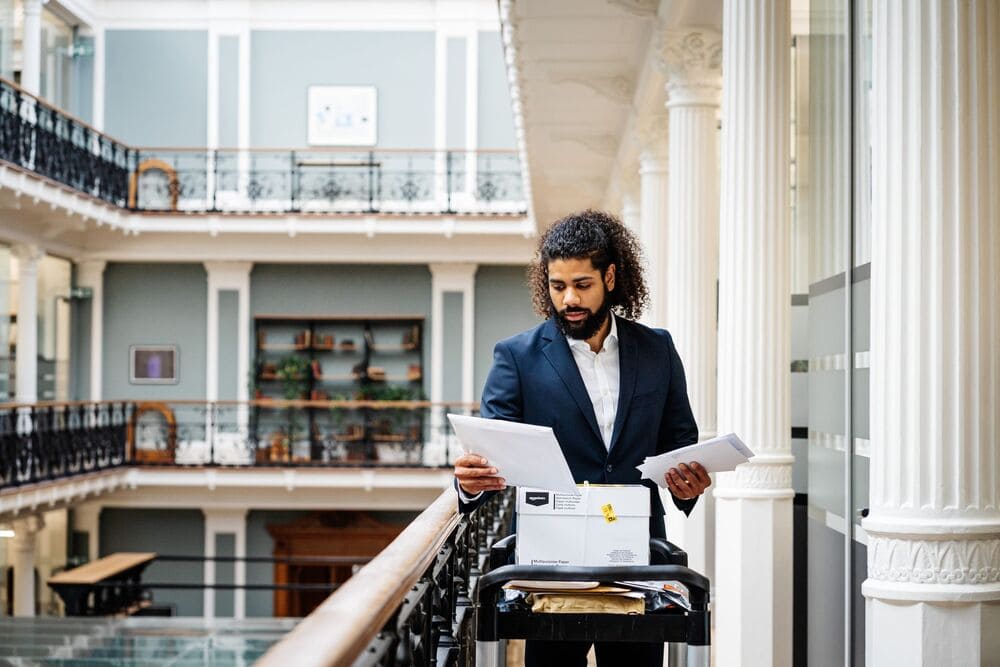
(824, 210)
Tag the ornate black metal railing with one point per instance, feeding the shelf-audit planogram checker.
(326, 180)
(47, 441)
(37, 137)
(411, 605)
(50, 441)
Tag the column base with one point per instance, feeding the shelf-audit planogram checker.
(753, 580)
(931, 633)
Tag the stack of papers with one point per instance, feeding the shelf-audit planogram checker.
(716, 455)
(523, 454)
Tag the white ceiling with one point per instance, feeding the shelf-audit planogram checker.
(585, 75)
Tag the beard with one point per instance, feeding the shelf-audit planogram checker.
(588, 326)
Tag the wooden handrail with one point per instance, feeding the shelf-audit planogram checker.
(339, 629)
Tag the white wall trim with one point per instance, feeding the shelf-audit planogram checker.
(225, 521)
(452, 278)
(233, 276)
(90, 273)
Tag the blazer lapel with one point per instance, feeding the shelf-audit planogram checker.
(559, 355)
(628, 368)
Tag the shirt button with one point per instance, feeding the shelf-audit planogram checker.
(610, 468)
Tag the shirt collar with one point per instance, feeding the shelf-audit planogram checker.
(610, 342)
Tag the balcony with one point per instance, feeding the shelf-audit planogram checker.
(55, 453)
(41, 140)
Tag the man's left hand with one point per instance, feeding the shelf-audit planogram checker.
(688, 481)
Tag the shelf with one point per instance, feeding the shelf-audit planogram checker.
(381, 347)
(284, 347)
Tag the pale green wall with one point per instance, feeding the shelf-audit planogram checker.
(163, 531)
(452, 382)
(284, 64)
(496, 119)
(455, 114)
(155, 304)
(503, 308)
(156, 87)
(229, 90)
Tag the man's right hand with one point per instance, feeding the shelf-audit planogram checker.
(475, 475)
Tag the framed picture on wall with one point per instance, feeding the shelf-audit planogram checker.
(152, 364)
(342, 116)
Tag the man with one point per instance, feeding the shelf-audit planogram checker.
(612, 390)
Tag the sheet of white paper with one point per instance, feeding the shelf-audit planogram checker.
(523, 454)
(717, 455)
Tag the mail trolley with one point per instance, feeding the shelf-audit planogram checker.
(497, 622)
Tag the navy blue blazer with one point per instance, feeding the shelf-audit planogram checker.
(535, 380)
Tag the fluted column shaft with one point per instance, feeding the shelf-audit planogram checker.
(653, 187)
(692, 59)
(754, 504)
(934, 527)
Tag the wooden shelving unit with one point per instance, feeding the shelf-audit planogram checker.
(323, 357)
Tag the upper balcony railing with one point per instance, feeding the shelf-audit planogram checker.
(42, 442)
(39, 138)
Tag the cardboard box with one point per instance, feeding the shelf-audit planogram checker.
(605, 525)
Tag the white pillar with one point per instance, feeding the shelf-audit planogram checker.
(98, 87)
(933, 587)
(26, 365)
(691, 59)
(452, 278)
(753, 597)
(90, 274)
(233, 276)
(630, 209)
(31, 47)
(653, 212)
(231, 522)
(24, 547)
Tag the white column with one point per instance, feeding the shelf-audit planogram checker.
(98, 88)
(452, 278)
(31, 47)
(653, 212)
(691, 59)
(630, 210)
(26, 365)
(753, 597)
(90, 274)
(24, 546)
(226, 522)
(233, 276)
(933, 587)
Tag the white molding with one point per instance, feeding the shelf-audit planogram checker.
(225, 521)
(452, 278)
(234, 276)
(47, 496)
(90, 273)
(99, 79)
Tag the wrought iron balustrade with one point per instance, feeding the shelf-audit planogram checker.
(37, 137)
(346, 181)
(48, 441)
(411, 605)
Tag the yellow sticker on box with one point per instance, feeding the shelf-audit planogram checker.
(609, 513)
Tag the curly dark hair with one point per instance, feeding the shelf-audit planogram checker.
(604, 240)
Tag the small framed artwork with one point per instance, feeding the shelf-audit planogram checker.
(152, 364)
(342, 116)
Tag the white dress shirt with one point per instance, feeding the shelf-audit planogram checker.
(602, 378)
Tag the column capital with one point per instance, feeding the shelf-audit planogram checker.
(27, 252)
(228, 275)
(452, 275)
(90, 272)
(34, 6)
(691, 58)
(27, 527)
